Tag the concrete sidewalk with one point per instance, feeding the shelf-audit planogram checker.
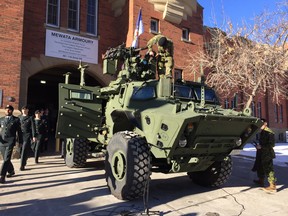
(51, 188)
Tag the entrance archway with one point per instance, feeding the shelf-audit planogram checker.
(42, 93)
(43, 86)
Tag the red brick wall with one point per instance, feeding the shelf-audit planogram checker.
(11, 26)
(34, 29)
(172, 31)
(108, 26)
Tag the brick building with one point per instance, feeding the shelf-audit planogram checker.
(42, 40)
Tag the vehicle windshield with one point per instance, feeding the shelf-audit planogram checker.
(210, 95)
(184, 92)
(143, 93)
(194, 93)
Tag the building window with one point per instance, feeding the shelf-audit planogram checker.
(53, 13)
(177, 74)
(154, 26)
(276, 113)
(226, 104)
(259, 110)
(185, 34)
(73, 15)
(253, 108)
(233, 104)
(281, 113)
(92, 13)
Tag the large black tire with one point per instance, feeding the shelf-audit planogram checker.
(127, 165)
(216, 175)
(76, 152)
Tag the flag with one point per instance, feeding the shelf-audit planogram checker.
(139, 29)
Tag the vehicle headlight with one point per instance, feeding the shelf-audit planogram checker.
(248, 131)
(238, 142)
(182, 142)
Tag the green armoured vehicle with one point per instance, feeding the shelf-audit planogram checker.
(145, 125)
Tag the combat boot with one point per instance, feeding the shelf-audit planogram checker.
(271, 188)
(259, 182)
(2, 179)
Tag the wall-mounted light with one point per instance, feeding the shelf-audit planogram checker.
(42, 81)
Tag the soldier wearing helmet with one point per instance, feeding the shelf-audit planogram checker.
(165, 54)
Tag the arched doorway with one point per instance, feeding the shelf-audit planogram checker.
(43, 86)
(42, 92)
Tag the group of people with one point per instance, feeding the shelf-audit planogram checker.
(31, 132)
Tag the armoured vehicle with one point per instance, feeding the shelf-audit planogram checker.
(148, 123)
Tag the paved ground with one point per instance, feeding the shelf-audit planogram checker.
(50, 188)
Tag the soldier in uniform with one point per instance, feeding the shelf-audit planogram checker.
(265, 154)
(46, 119)
(40, 131)
(10, 127)
(28, 132)
(165, 54)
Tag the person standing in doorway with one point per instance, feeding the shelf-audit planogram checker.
(46, 120)
(29, 134)
(10, 128)
(266, 154)
(40, 132)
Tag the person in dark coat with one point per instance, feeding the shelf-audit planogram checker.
(40, 134)
(28, 133)
(10, 128)
(46, 120)
(264, 158)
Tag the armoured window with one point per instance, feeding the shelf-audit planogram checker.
(178, 74)
(143, 93)
(185, 34)
(154, 26)
(183, 92)
(92, 13)
(210, 95)
(53, 12)
(73, 15)
(82, 95)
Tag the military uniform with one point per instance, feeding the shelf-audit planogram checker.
(40, 135)
(264, 161)
(10, 128)
(165, 54)
(28, 132)
(267, 142)
(46, 121)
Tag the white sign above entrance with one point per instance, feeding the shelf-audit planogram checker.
(72, 47)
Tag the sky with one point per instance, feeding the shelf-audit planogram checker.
(217, 11)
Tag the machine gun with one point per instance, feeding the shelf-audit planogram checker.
(128, 62)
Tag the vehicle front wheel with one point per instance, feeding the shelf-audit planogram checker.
(127, 165)
(76, 152)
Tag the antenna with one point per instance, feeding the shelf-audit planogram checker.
(82, 71)
(67, 76)
(202, 103)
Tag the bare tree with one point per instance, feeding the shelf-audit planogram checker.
(249, 60)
